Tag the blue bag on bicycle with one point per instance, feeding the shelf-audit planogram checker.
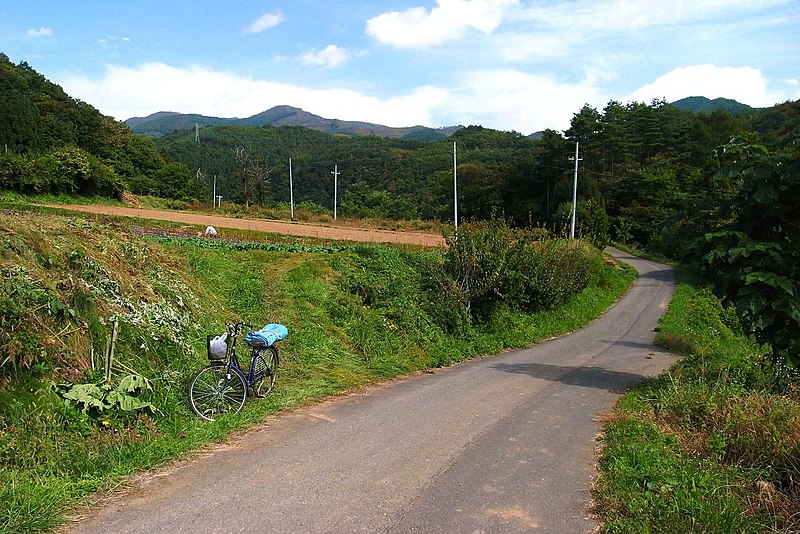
(266, 336)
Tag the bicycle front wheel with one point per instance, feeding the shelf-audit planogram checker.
(216, 390)
(265, 371)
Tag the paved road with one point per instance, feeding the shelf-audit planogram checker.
(503, 444)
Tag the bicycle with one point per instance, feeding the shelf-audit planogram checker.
(221, 387)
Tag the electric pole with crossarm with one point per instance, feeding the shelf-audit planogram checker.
(574, 192)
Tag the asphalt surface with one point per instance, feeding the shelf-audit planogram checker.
(498, 444)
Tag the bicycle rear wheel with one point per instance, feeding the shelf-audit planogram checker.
(216, 390)
(265, 367)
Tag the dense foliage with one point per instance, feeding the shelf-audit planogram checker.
(754, 256)
(53, 143)
(379, 177)
(491, 264)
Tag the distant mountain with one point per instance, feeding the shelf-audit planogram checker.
(701, 104)
(135, 121)
(165, 122)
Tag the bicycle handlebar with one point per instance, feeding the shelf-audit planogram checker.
(235, 328)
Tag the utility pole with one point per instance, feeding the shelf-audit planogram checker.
(335, 173)
(574, 192)
(291, 193)
(214, 198)
(455, 189)
(197, 132)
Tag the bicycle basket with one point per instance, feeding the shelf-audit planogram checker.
(217, 347)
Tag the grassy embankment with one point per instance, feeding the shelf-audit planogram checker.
(356, 314)
(712, 446)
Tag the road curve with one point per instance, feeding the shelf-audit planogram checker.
(497, 444)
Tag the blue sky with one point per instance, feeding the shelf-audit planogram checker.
(518, 65)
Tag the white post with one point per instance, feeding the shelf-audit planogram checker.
(574, 193)
(455, 188)
(335, 173)
(291, 193)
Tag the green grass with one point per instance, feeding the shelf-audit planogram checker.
(356, 315)
(10, 197)
(712, 446)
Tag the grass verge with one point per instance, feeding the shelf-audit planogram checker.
(713, 445)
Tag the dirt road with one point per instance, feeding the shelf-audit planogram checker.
(502, 444)
(263, 225)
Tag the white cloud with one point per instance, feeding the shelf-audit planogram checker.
(743, 84)
(268, 20)
(513, 100)
(613, 16)
(519, 46)
(417, 27)
(568, 28)
(502, 99)
(41, 32)
(330, 57)
(125, 92)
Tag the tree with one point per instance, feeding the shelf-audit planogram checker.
(480, 188)
(253, 173)
(362, 201)
(755, 258)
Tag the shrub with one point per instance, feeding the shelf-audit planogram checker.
(63, 170)
(476, 260)
(546, 273)
(491, 263)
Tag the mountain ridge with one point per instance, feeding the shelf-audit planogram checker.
(164, 122)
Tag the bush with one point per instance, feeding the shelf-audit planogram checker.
(546, 273)
(476, 260)
(491, 263)
(62, 170)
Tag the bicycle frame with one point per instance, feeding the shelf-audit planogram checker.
(222, 386)
(251, 377)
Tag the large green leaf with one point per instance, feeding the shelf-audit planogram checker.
(89, 395)
(128, 403)
(771, 279)
(133, 383)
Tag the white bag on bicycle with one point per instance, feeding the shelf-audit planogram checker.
(217, 347)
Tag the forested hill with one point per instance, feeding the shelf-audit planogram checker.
(528, 179)
(162, 123)
(701, 104)
(716, 189)
(54, 143)
(379, 176)
(641, 163)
